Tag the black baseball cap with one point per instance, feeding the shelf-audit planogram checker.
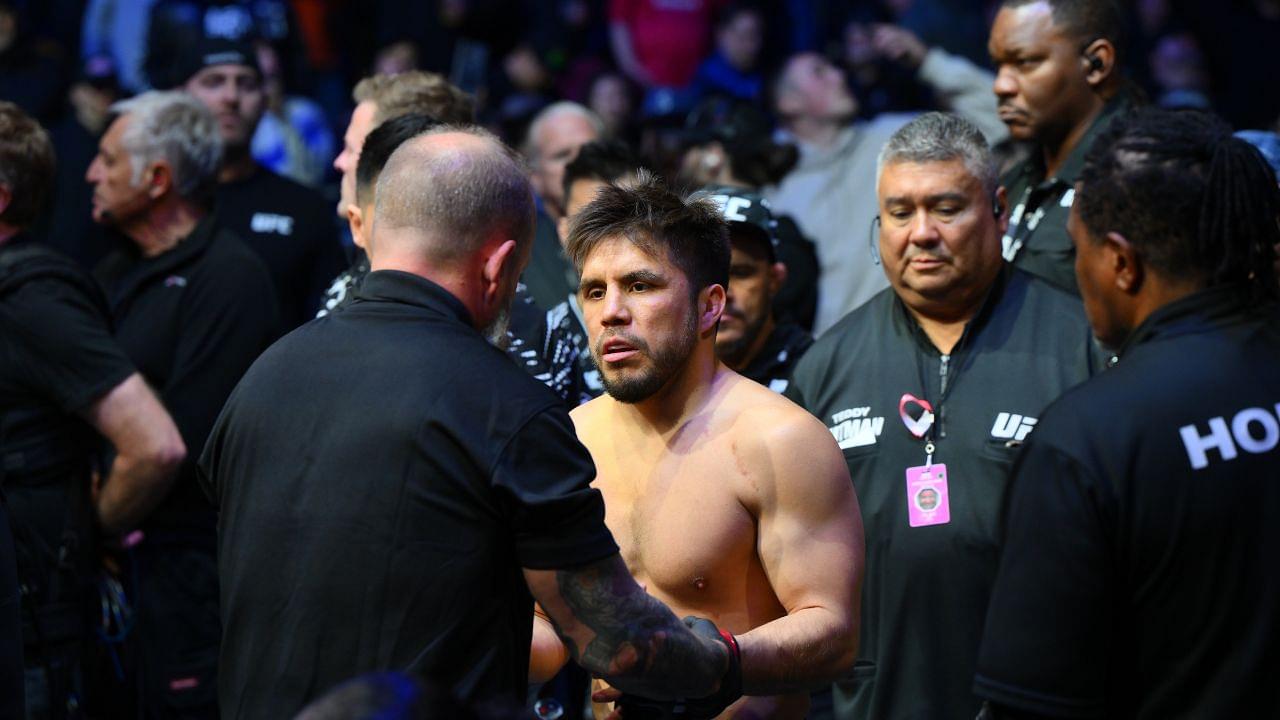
(210, 51)
(745, 208)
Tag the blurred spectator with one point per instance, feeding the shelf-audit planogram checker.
(552, 142)
(733, 68)
(293, 138)
(30, 72)
(118, 30)
(176, 26)
(1177, 70)
(729, 143)
(68, 226)
(1239, 40)
(288, 225)
(396, 58)
(612, 97)
(871, 49)
(838, 160)
(658, 43)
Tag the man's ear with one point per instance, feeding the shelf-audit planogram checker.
(777, 277)
(1001, 209)
(711, 303)
(497, 266)
(1100, 61)
(158, 178)
(1125, 262)
(355, 220)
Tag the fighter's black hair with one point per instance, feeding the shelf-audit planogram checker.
(604, 160)
(1196, 202)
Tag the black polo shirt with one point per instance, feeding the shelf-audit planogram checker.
(383, 474)
(1140, 576)
(191, 319)
(1037, 240)
(292, 229)
(926, 588)
(773, 365)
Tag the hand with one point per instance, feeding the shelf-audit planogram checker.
(633, 707)
(899, 45)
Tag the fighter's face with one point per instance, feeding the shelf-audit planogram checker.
(557, 145)
(753, 281)
(234, 94)
(939, 237)
(116, 198)
(1041, 82)
(357, 130)
(813, 87)
(641, 318)
(1097, 284)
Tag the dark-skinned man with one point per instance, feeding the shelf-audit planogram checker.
(1057, 85)
(1138, 574)
(938, 379)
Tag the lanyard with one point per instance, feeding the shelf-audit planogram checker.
(927, 426)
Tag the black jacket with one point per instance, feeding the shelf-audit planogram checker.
(925, 592)
(1139, 576)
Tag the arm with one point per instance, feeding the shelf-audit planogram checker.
(810, 543)
(148, 452)
(614, 629)
(546, 653)
(960, 86)
(624, 53)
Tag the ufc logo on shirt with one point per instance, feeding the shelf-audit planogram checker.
(1011, 426)
(271, 223)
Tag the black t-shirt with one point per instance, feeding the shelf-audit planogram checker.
(1140, 576)
(383, 474)
(797, 300)
(926, 587)
(773, 365)
(292, 229)
(192, 319)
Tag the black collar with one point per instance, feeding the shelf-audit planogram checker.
(1071, 167)
(396, 286)
(905, 321)
(1207, 309)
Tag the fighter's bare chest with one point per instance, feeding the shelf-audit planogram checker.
(681, 522)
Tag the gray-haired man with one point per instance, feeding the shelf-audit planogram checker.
(193, 307)
(939, 377)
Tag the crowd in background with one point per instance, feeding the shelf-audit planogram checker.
(642, 70)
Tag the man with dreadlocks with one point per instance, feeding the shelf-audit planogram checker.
(1138, 577)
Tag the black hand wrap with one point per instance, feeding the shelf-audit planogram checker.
(639, 708)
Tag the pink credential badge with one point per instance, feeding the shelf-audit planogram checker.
(928, 502)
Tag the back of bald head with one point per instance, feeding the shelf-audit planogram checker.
(452, 191)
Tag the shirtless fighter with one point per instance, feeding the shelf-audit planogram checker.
(728, 501)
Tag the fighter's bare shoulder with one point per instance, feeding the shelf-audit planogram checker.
(783, 436)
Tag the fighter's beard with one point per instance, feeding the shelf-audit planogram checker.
(666, 363)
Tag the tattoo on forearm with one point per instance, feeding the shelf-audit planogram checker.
(635, 635)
